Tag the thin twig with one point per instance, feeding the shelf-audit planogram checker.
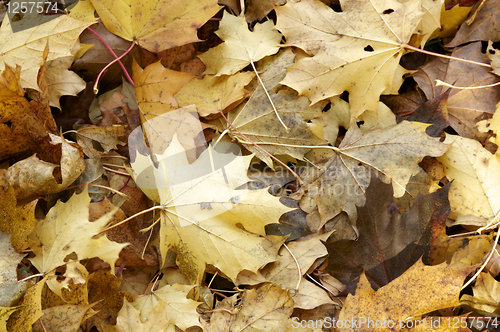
(158, 207)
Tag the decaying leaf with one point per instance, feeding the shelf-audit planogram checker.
(393, 153)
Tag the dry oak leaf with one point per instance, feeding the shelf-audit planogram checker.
(486, 296)
(201, 209)
(465, 107)
(360, 56)
(158, 24)
(263, 309)
(420, 290)
(241, 46)
(392, 152)
(475, 191)
(25, 48)
(180, 310)
(107, 137)
(66, 229)
(129, 320)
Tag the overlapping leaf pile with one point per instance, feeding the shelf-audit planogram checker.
(287, 169)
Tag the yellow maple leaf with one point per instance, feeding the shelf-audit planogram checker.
(66, 229)
(475, 191)
(156, 25)
(241, 46)
(348, 53)
(201, 210)
(25, 47)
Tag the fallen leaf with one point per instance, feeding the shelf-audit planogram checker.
(483, 27)
(129, 320)
(65, 230)
(30, 309)
(214, 94)
(25, 48)
(32, 177)
(65, 318)
(450, 21)
(10, 288)
(264, 309)
(345, 49)
(474, 196)
(17, 220)
(201, 207)
(420, 290)
(486, 296)
(241, 46)
(177, 308)
(340, 183)
(158, 24)
(465, 107)
(492, 124)
(389, 242)
(434, 112)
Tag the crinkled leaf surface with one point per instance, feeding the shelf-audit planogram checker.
(66, 229)
(348, 53)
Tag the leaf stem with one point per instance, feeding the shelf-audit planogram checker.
(416, 49)
(269, 97)
(158, 207)
(258, 147)
(114, 54)
(96, 89)
(296, 263)
(441, 83)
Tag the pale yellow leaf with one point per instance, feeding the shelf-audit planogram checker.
(66, 229)
(241, 46)
(475, 191)
(176, 307)
(486, 296)
(156, 25)
(348, 53)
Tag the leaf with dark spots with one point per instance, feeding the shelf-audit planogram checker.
(389, 243)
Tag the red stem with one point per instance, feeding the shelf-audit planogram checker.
(116, 56)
